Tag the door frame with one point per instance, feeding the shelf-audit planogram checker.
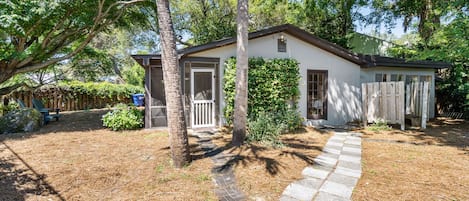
(205, 70)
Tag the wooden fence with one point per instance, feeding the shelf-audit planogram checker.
(67, 100)
(389, 101)
(383, 101)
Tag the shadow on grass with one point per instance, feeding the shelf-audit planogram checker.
(17, 183)
(440, 131)
(254, 153)
(75, 121)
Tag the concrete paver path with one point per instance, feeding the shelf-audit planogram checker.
(222, 172)
(335, 172)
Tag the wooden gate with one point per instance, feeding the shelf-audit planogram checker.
(389, 101)
(383, 101)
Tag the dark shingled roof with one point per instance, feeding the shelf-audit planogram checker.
(381, 61)
(366, 61)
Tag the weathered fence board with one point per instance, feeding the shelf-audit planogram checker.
(67, 100)
(383, 100)
(392, 102)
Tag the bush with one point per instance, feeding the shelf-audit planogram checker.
(4, 109)
(290, 118)
(273, 83)
(267, 127)
(123, 117)
(101, 89)
(379, 125)
(20, 120)
(264, 129)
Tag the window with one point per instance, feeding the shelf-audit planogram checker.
(383, 77)
(282, 45)
(379, 77)
(317, 94)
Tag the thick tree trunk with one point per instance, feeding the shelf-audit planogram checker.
(241, 97)
(171, 75)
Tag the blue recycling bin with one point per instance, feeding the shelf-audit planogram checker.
(138, 99)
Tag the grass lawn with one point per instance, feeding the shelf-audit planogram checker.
(416, 165)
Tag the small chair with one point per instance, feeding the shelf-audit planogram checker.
(45, 111)
(21, 103)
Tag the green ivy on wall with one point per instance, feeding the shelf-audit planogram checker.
(272, 85)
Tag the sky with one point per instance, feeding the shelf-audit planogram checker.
(397, 31)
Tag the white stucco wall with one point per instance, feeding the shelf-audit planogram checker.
(343, 76)
(368, 75)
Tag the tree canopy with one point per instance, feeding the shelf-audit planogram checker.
(37, 34)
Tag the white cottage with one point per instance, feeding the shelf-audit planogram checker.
(330, 85)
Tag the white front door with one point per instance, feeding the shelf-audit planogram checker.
(202, 98)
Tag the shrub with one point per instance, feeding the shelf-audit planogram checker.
(264, 129)
(20, 120)
(272, 84)
(123, 117)
(290, 118)
(101, 89)
(4, 109)
(267, 127)
(379, 125)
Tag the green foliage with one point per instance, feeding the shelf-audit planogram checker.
(91, 65)
(4, 109)
(272, 85)
(265, 129)
(449, 44)
(101, 89)
(36, 34)
(206, 21)
(123, 117)
(135, 75)
(379, 125)
(268, 126)
(291, 118)
(20, 120)
(216, 19)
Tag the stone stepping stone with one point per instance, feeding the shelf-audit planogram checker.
(334, 174)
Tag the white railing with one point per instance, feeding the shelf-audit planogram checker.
(203, 113)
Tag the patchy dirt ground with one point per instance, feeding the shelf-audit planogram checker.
(416, 165)
(263, 172)
(76, 159)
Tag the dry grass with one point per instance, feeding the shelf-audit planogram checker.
(416, 165)
(75, 159)
(263, 172)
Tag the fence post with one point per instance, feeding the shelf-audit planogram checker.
(402, 104)
(364, 105)
(424, 105)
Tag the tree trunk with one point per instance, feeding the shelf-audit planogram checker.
(241, 97)
(172, 76)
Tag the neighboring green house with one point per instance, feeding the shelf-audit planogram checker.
(369, 45)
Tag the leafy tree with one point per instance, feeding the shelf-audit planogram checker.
(134, 75)
(37, 34)
(451, 44)
(179, 142)
(426, 14)
(438, 41)
(204, 20)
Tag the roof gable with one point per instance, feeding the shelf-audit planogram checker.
(287, 28)
(361, 60)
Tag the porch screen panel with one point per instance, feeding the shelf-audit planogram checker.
(202, 86)
(158, 99)
(317, 94)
